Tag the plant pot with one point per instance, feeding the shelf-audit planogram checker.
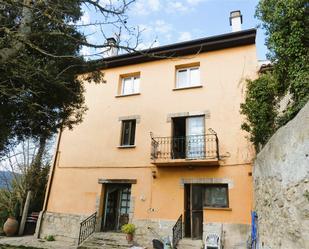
(129, 237)
(10, 226)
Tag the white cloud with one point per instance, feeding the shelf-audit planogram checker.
(195, 2)
(161, 26)
(85, 51)
(154, 4)
(184, 36)
(147, 45)
(176, 7)
(85, 19)
(145, 7)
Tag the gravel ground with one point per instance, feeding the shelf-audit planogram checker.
(30, 242)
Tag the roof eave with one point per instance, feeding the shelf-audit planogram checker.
(229, 40)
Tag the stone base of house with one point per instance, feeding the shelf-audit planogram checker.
(233, 236)
(147, 230)
(63, 227)
(66, 227)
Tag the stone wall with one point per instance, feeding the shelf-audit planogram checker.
(62, 226)
(233, 236)
(281, 186)
(147, 230)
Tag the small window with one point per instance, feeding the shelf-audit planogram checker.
(128, 132)
(187, 77)
(216, 196)
(130, 85)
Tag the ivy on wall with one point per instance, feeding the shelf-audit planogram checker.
(287, 28)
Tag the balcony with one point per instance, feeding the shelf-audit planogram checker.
(198, 150)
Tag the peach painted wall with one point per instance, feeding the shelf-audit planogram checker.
(90, 151)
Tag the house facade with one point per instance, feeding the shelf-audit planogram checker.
(161, 141)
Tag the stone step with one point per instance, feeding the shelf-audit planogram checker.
(106, 240)
(190, 244)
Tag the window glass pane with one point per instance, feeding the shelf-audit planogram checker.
(125, 133)
(195, 140)
(132, 137)
(136, 84)
(128, 132)
(182, 78)
(194, 76)
(216, 196)
(127, 87)
(130, 85)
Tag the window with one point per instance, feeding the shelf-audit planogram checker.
(130, 85)
(128, 132)
(216, 195)
(187, 77)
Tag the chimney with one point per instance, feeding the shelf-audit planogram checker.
(236, 20)
(112, 49)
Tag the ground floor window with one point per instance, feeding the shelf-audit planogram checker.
(216, 195)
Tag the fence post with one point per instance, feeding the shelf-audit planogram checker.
(25, 214)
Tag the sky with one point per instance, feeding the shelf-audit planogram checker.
(170, 21)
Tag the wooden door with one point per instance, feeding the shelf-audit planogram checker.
(196, 211)
(193, 211)
(111, 211)
(187, 216)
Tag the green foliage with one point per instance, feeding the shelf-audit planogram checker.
(128, 228)
(30, 166)
(49, 238)
(10, 200)
(3, 216)
(259, 109)
(39, 91)
(287, 28)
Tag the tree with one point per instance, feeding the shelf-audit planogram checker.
(28, 165)
(287, 28)
(40, 43)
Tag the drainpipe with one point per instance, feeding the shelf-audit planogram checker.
(49, 185)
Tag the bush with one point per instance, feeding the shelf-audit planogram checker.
(128, 228)
(50, 238)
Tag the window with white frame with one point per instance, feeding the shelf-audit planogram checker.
(130, 85)
(187, 77)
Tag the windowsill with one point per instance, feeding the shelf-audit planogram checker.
(217, 208)
(126, 146)
(127, 95)
(187, 87)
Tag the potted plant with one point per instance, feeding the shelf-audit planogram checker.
(128, 229)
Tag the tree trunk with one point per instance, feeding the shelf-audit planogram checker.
(37, 162)
(23, 32)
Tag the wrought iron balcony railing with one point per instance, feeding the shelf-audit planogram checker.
(194, 147)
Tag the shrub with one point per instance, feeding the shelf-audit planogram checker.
(50, 238)
(128, 228)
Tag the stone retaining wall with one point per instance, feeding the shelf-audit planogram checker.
(62, 226)
(233, 236)
(147, 230)
(281, 186)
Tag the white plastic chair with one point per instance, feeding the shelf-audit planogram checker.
(212, 241)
